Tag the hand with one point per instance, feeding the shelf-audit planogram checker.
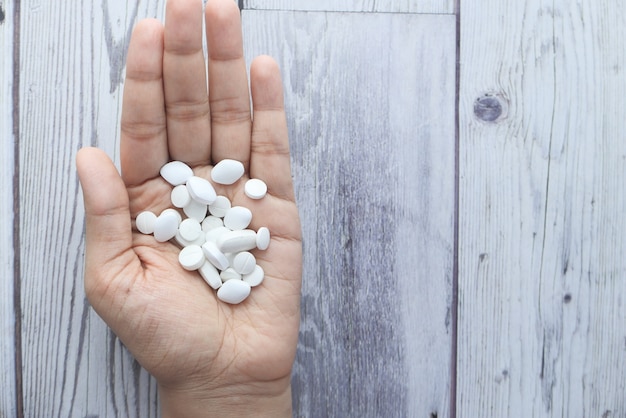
(206, 355)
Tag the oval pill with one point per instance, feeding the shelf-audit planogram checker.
(220, 206)
(166, 226)
(191, 257)
(233, 291)
(190, 229)
(176, 172)
(214, 255)
(173, 212)
(180, 196)
(201, 190)
(237, 217)
(145, 222)
(256, 277)
(227, 171)
(244, 262)
(255, 189)
(210, 275)
(237, 241)
(262, 238)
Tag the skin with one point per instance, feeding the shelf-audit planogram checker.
(209, 358)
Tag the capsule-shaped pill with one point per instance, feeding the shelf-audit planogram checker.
(237, 241)
(210, 275)
(233, 291)
(214, 255)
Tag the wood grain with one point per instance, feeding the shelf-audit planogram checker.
(370, 102)
(8, 406)
(542, 318)
(396, 6)
(72, 59)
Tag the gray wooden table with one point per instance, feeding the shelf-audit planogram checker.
(460, 172)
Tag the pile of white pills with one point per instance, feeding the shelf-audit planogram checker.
(214, 236)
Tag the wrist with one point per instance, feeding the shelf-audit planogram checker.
(249, 401)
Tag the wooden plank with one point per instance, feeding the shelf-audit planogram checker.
(370, 103)
(542, 318)
(397, 6)
(8, 400)
(72, 60)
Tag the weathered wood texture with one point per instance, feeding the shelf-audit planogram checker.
(7, 313)
(370, 100)
(542, 271)
(395, 6)
(71, 68)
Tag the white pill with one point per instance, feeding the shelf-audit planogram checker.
(173, 212)
(145, 222)
(263, 238)
(211, 222)
(233, 291)
(227, 171)
(166, 226)
(210, 275)
(176, 172)
(256, 277)
(255, 189)
(237, 218)
(220, 206)
(191, 257)
(244, 262)
(195, 210)
(190, 229)
(214, 255)
(214, 234)
(237, 241)
(182, 242)
(180, 196)
(201, 190)
(229, 274)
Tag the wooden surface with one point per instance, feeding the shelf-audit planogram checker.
(395, 6)
(534, 182)
(542, 266)
(7, 263)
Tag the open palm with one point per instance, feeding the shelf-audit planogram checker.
(169, 318)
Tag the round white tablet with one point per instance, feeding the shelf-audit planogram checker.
(176, 172)
(220, 206)
(211, 222)
(262, 238)
(237, 218)
(191, 257)
(233, 291)
(145, 222)
(180, 196)
(190, 229)
(256, 277)
(227, 171)
(195, 210)
(244, 262)
(255, 189)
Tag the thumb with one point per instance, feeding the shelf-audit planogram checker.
(107, 218)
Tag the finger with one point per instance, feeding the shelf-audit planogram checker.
(228, 83)
(184, 81)
(143, 141)
(107, 219)
(269, 159)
